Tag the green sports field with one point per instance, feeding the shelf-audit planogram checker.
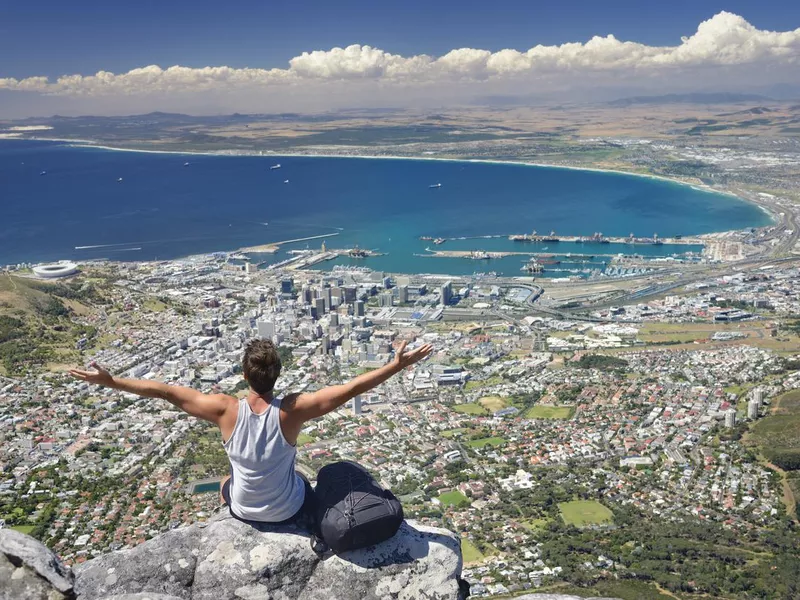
(585, 512)
(490, 441)
(453, 498)
(540, 411)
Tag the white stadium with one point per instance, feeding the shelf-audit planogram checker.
(55, 270)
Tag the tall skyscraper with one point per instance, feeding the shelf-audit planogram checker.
(730, 418)
(357, 405)
(402, 294)
(319, 304)
(286, 286)
(359, 312)
(446, 293)
(334, 319)
(752, 409)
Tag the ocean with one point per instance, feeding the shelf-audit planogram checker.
(163, 209)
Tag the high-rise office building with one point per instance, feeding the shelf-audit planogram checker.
(446, 293)
(359, 308)
(357, 405)
(286, 286)
(385, 299)
(402, 294)
(334, 317)
(319, 305)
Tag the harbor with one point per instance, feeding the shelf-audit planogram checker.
(595, 238)
(551, 256)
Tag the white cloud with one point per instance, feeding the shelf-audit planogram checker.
(726, 43)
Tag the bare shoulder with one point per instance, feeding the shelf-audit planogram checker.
(289, 402)
(226, 400)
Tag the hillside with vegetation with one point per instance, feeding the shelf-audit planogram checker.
(38, 324)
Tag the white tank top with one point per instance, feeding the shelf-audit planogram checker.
(264, 484)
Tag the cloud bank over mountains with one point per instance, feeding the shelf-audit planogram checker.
(725, 51)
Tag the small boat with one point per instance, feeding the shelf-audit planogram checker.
(43, 173)
(119, 180)
(285, 181)
(273, 167)
(186, 164)
(434, 186)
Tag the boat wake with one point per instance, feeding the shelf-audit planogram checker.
(99, 246)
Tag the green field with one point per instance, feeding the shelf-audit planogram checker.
(540, 411)
(448, 433)
(493, 403)
(470, 552)
(454, 498)
(584, 512)
(154, 305)
(470, 409)
(26, 529)
(481, 443)
(304, 439)
(476, 385)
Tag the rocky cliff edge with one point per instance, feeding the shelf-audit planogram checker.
(226, 559)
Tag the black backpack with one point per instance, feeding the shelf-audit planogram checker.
(353, 511)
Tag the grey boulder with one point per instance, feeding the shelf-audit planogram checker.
(30, 571)
(228, 559)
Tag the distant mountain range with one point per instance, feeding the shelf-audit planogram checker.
(699, 98)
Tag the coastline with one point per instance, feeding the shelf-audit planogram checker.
(272, 247)
(766, 208)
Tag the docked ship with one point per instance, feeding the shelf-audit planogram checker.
(550, 238)
(533, 266)
(357, 252)
(598, 237)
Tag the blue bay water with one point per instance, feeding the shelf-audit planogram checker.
(163, 209)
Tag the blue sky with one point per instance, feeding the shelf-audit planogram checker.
(54, 37)
(204, 57)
